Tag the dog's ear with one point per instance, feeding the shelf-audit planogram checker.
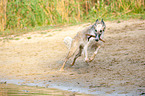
(97, 21)
(102, 22)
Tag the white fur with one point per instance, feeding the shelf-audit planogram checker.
(99, 26)
(67, 41)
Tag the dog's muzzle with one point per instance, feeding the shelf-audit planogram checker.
(97, 37)
(97, 40)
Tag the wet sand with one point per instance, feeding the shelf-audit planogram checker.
(17, 90)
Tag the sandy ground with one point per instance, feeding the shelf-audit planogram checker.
(119, 67)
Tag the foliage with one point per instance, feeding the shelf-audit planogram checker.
(21, 14)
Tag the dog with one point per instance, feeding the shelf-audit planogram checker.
(92, 35)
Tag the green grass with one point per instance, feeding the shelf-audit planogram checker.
(29, 37)
(29, 15)
(17, 31)
(17, 38)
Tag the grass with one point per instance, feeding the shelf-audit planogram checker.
(18, 31)
(17, 38)
(28, 15)
(29, 37)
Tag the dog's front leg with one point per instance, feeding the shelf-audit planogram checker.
(78, 54)
(93, 56)
(86, 52)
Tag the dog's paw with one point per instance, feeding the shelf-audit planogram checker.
(72, 64)
(86, 60)
(61, 70)
(91, 59)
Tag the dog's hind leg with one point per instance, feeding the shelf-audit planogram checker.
(66, 59)
(70, 54)
(86, 52)
(62, 68)
(94, 54)
(78, 54)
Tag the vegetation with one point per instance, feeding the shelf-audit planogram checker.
(21, 14)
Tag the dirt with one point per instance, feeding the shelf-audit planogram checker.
(119, 67)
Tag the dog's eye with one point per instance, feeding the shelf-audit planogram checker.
(100, 30)
(96, 30)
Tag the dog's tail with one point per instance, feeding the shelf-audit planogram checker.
(68, 41)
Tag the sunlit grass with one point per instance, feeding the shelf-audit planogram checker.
(28, 14)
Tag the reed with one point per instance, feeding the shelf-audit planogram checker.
(21, 14)
(3, 18)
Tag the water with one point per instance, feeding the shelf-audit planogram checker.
(58, 86)
(69, 87)
(7, 89)
(17, 90)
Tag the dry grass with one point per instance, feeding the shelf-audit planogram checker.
(31, 13)
(3, 18)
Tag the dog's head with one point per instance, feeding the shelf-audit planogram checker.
(99, 28)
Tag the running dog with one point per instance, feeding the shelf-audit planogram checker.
(92, 35)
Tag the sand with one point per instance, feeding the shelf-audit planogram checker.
(119, 67)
